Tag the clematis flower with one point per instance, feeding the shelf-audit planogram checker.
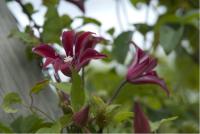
(79, 48)
(81, 118)
(141, 70)
(141, 123)
(79, 4)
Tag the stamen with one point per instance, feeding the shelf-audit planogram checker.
(68, 59)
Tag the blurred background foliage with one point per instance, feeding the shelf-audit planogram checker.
(175, 42)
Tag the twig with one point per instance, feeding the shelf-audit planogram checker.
(116, 93)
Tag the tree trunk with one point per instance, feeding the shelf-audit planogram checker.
(17, 74)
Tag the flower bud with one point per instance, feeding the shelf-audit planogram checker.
(81, 118)
(141, 124)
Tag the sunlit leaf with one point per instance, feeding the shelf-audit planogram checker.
(66, 87)
(55, 128)
(155, 125)
(10, 99)
(39, 86)
(122, 116)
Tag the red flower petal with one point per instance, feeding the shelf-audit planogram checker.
(151, 79)
(81, 39)
(88, 55)
(81, 118)
(66, 69)
(79, 4)
(47, 62)
(68, 38)
(137, 70)
(45, 50)
(141, 124)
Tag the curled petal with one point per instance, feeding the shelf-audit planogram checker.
(79, 4)
(81, 39)
(45, 50)
(137, 70)
(68, 38)
(47, 62)
(88, 55)
(151, 79)
(141, 124)
(152, 64)
(57, 63)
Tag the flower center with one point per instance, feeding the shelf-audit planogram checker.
(68, 59)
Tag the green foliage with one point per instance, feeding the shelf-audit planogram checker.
(88, 20)
(54, 128)
(64, 86)
(123, 116)
(4, 128)
(27, 38)
(28, 124)
(77, 91)
(39, 86)
(155, 125)
(9, 100)
(121, 45)
(29, 8)
(170, 38)
(54, 24)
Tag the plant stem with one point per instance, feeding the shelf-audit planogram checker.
(116, 93)
(39, 110)
(83, 76)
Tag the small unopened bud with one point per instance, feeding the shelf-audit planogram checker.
(141, 124)
(81, 118)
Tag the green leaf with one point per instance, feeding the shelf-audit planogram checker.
(122, 116)
(88, 20)
(25, 37)
(77, 91)
(28, 124)
(111, 108)
(98, 101)
(143, 28)
(29, 8)
(155, 125)
(39, 86)
(121, 46)
(64, 86)
(111, 31)
(55, 128)
(170, 38)
(50, 2)
(54, 24)
(4, 128)
(65, 120)
(9, 100)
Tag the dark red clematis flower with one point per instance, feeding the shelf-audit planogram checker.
(141, 70)
(141, 123)
(79, 48)
(81, 118)
(79, 4)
